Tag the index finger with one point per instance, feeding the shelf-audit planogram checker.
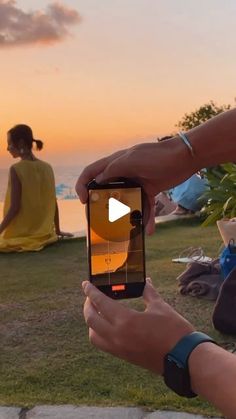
(92, 171)
(109, 309)
(88, 174)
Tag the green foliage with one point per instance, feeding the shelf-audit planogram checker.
(221, 197)
(201, 115)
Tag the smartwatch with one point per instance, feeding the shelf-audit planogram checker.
(176, 371)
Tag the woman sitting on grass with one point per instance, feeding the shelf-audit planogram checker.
(30, 214)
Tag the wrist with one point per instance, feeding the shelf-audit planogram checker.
(202, 356)
(177, 373)
(213, 376)
(183, 162)
(187, 161)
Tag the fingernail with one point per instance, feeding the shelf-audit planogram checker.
(98, 179)
(84, 284)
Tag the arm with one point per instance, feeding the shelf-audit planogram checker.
(214, 142)
(57, 224)
(160, 166)
(15, 200)
(213, 376)
(144, 340)
(56, 220)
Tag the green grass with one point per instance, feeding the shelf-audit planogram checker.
(45, 356)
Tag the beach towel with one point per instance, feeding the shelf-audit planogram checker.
(201, 280)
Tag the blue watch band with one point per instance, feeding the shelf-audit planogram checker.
(186, 345)
(176, 372)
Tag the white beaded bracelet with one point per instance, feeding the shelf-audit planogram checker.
(185, 139)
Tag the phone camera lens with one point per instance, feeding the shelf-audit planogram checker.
(94, 196)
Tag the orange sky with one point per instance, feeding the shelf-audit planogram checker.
(124, 73)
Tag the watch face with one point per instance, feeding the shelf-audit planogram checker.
(176, 377)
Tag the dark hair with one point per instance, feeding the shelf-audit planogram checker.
(136, 216)
(24, 132)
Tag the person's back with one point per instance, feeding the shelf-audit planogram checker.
(30, 203)
(36, 215)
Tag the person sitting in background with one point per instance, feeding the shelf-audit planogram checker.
(133, 261)
(30, 214)
(187, 195)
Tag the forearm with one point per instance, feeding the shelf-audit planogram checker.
(11, 214)
(213, 376)
(170, 162)
(56, 219)
(214, 142)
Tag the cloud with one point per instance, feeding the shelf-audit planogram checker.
(19, 28)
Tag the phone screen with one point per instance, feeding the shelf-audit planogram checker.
(116, 239)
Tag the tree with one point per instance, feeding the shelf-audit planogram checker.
(201, 115)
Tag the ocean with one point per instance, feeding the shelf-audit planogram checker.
(71, 211)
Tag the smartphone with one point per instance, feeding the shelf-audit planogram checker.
(115, 239)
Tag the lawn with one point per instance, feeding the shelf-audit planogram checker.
(45, 356)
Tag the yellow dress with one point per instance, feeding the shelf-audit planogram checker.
(33, 226)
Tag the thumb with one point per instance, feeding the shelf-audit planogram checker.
(150, 294)
(150, 226)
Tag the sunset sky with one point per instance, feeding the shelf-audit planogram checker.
(91, 76)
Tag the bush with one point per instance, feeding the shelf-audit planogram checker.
(221, 196)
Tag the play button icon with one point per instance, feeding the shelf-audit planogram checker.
(117, 210)
(114, 214)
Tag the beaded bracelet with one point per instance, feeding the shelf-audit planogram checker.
(185, 139)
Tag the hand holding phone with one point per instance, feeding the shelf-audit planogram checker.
(116, 238)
